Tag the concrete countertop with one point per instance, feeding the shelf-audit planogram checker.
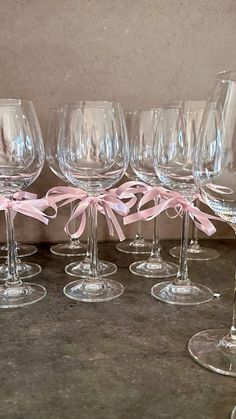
(124, 359)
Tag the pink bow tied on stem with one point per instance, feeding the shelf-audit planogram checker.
(168, 199)
(30, 207)
(107, 204)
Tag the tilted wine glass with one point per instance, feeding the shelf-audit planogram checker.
(193, 115)
(93, 155)
(138, 245)
(78, 268)
(141, 160)
(21, 161)
(173, 163)
(215, 175)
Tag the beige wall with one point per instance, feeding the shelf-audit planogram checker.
(139, 52)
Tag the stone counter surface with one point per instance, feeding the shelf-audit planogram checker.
(124, 359)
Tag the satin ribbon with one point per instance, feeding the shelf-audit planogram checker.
(169, 199)
(31, 207)
(107, 203)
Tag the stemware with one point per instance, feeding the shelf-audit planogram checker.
(73, 247)
(21, 161)
(93, 156)
(193, 117)
(173, 163)
(215, 175)
(138, 245)
(141, 160)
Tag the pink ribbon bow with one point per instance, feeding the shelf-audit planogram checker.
(107, 203)
(172, 200)
(30, 207)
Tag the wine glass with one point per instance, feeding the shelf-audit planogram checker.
(138, 245)
(93, 155)
(173, 164)
(141, 160)
(74, 247)
(215, 175)
(21, 161)
(193, 116)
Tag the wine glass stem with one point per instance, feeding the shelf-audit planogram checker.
(73, 242)
(94, 248)
(156, 248)
(139, 235)
(233, 326)
(12, 277)
(182, 275)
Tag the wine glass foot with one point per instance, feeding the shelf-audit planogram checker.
(23, 250)
(22, 295)
(202, 253)
(93, 290)
(24, 270)
(135, 247)
(210, 349)
(68, 249)
(81, 269)
(150, 269)
(191, 294)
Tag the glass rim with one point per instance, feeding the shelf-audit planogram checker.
(14, 101)
(226, 75)
(91, 104)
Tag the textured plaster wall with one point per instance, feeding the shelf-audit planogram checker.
(138, 52)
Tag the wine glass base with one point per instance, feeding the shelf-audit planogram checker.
(67, 249)
(206, 349)
(24, 270)
(191, 294)
(23, 250)
(93, 291)
(135, 247)
(81, 269)
(153, 270)
(23, 295)
(203, 253)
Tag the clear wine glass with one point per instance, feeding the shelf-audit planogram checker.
(173, 163)
(215, 175)
(78, 268)
(73, 247)
(21, 161)
(141, 160)
(93, 155)
(138, 245)
(193, 116)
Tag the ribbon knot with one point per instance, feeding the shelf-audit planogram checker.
(107, 204)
